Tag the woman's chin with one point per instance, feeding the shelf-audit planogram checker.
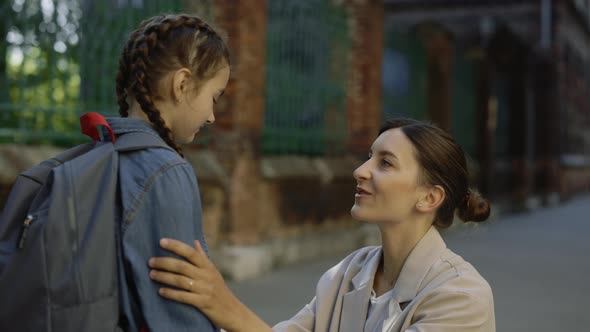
(356, 214)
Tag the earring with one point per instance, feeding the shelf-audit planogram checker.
(419, 205)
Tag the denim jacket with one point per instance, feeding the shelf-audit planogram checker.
(159, 198)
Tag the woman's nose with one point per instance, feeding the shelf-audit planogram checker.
(362, 172)
(211, 118)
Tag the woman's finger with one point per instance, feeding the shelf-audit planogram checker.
(189, 298)
(172, 264)
(176, 280)
(194, 255)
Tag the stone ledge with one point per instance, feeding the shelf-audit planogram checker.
(245, 262)
(16, 158)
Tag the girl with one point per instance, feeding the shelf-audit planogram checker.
(173, 69)
(413, 182)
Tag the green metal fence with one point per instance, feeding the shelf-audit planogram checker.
(464, 101)
(405, 79)
(404, 75)
(307, 61)
(60, 60)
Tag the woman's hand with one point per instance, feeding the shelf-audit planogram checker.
(199, 283)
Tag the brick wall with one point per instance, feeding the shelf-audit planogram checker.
(258, 205)
(363, 101)
(250, 199)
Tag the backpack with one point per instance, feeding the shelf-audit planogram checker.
(59, 238)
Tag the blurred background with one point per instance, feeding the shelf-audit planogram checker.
(312, 80)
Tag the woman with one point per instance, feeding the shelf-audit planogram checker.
(413, 182)
(172, 71)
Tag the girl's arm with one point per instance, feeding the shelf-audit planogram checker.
(198, 283)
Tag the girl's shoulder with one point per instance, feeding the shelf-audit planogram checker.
(151, 161)
(140, 171)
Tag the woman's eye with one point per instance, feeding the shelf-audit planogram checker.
(385, 163)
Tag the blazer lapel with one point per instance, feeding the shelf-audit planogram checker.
(417, 265)
(354, 309)
(355, 303)
(412, 275)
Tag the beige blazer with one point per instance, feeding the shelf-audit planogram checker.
(436, 291)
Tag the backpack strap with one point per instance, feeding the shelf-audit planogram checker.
(139, 140)
(40, 172)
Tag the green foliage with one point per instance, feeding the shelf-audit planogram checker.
(60, 60)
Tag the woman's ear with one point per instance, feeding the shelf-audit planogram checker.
(180, 83)
(433, 197)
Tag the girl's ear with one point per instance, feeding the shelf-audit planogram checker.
(180, 83)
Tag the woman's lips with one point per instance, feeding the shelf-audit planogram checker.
(360, 192)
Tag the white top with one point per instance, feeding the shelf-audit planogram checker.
(377, 311)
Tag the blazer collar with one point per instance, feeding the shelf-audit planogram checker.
(409, 282)
(417, 265)
(367, 270)
(413, 273)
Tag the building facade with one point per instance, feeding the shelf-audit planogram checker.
(508, 79)
(312, 81)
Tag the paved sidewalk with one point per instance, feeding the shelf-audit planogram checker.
(537, 263)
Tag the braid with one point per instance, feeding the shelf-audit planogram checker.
(161, 27)
(120, 86)
(123, 74)
(164, 24)
(141, 92)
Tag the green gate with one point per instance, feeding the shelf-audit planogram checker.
(404, 75)
(464, 101)
(60, 60)
(307, 62)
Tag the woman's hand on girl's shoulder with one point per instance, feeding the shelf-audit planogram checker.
(197, 282)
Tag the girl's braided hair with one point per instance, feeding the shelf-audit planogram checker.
(162, 44)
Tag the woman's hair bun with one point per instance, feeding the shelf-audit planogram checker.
(474, 207)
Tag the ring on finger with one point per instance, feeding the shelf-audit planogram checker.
(190, 285)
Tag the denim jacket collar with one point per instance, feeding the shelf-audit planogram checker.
(126, 125)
